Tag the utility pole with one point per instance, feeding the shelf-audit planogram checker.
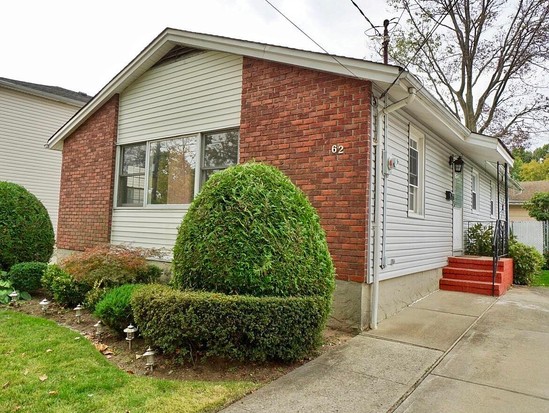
(386, 41)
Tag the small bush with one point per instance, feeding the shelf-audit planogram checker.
(251, 231)
(115, 308)
(527, 262)
(109, 266)
(93, 296)
(478, 240)
(26, 232)
(27, 276)
(546, 258)
(62, 287)
(230, 326)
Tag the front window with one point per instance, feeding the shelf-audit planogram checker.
(171, 171)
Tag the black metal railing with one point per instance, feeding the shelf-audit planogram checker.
(500, 247)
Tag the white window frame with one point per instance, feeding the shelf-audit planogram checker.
(198, 176)
(417, 136)
(493, 200)
(475, 191)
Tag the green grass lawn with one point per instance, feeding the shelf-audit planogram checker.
(45, 368)
(542, 279)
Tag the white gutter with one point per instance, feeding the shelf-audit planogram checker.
(379, 212)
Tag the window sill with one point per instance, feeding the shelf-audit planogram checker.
(413, 215)
(154, 208)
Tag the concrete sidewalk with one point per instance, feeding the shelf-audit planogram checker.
(450, 352)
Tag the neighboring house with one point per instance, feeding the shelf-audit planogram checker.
(29, 115)
(517, 199)
(190, 104)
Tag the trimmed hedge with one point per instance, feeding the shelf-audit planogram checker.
(26, 232)
(115, 308)
(27, 276)
(231, 326)
(62, 287)
(251, 231)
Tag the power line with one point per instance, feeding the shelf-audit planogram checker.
(313, 40)
(367, 19)
(429, 34)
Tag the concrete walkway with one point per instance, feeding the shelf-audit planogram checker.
(449, 352)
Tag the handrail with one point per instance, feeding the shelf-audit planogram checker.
(499, 247)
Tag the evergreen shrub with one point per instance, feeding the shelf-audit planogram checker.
(231, 326)
(26, 232)
(115, 309)
(27, 276)
(527, 262)
(251, 231)
(63, 287)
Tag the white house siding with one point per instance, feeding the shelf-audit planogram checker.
(421, 244)
(199, 92)
(26, 123)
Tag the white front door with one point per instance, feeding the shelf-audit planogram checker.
(457, 238)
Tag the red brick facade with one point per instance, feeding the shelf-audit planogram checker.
(291, 118)
(87, 181)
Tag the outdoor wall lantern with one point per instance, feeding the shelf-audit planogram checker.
(130, 334)
(98, 329)
(149, 359)
(14, 297)
(44, 305)
(458, 163)
(78, 313)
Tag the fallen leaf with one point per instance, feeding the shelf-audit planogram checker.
(17, 408)
(101, 347)
(138, 356)
(77, 338)
(49, 350)
(43, 378)
(130, 372)
(107, 352)
(6, 384)
(170, 372)
(109, 356)
(53, 393)
(26, 372)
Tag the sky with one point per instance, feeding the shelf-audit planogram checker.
(82, 45)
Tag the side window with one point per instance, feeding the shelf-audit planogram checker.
(220, 150)
(416, 171)
(475, 184)
(131, 181)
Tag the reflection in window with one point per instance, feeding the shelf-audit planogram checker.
(171, 171)
(220, 151)
(131, 185)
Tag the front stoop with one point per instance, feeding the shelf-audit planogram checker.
(472, 274)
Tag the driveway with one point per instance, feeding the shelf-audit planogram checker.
(449, 352)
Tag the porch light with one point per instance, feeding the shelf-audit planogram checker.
(14, 297)
(78, 313)
(149, 359)
(130, 334)
(98, 329)
(458, 163)
(44, 305)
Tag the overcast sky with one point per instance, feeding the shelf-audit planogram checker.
(82, 45)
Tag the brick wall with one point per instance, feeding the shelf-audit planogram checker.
(291, 117)
(87, 181)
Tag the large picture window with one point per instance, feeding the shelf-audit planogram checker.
(171, 171)
(415, 172)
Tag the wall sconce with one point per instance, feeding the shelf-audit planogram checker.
(458, 163)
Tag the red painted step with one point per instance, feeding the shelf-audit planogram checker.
(475, 287)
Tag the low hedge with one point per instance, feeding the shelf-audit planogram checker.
(62, 286)
(527, 262)
(26, 276)
(229, 326)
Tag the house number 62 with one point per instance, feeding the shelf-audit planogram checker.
(338, 149)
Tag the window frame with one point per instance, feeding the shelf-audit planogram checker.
(199, 165)
(475, 191)
(418, 210)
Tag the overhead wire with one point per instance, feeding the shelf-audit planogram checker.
(367, 19)
(313, 40)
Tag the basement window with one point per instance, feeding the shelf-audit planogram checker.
(172, 171)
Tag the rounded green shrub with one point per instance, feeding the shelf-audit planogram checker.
(27, 276)
(26, 232)
(63, 287)
(115, 308)
(251, 231)
(527, 262)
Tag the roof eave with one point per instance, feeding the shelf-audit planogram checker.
(40, 93)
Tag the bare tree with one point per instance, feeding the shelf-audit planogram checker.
(487, 60)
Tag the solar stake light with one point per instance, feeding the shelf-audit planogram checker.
(130, 334)
(78, 312)
(44, 305)
(149, 359)
(98, 329)
(14, 297)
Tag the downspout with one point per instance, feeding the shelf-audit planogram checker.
(378, 226)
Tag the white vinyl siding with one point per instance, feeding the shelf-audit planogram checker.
(26, 124)
(198, 93)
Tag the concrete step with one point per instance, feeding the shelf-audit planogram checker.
(475, 287)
